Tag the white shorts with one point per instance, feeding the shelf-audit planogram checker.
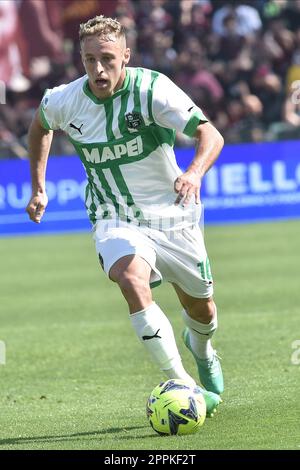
(178, 257)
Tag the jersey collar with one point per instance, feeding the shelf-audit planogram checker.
(90, 94)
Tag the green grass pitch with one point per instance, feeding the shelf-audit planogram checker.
(76, 377)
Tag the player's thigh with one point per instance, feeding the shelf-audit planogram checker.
(117, 243)
(130, 266)
(183, 261)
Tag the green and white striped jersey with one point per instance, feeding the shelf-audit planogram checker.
(125, 143)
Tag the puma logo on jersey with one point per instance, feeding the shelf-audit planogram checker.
(77, 128)
(132, 148)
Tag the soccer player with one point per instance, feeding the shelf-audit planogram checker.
(144, 210)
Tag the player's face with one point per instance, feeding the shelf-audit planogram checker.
(104, 61)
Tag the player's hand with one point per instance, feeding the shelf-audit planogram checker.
(187, 186)
(36, 207)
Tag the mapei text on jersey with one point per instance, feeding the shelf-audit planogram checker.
(99, 154)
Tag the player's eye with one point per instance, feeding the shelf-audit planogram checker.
(90, 60)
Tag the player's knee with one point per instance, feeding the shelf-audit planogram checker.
(203, 310)
(130, 284)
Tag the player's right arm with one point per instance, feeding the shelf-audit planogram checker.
(39, 143)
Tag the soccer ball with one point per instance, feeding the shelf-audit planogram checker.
(175, 407)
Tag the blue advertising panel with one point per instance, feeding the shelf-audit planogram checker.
(252, 182)
(65, 189)
(249, 182)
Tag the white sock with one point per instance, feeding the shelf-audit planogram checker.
(200, 334)
(156, 334)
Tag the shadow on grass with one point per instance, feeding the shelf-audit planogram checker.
(100, 435)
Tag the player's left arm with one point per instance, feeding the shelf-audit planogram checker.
(208, 147)
(174, 109)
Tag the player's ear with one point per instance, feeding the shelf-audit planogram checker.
(126, 56)
(81, 52)
(81, 55)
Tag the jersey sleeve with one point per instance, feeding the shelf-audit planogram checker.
(51, 109)
(172, 108)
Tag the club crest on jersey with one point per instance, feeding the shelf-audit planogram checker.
(133, 120)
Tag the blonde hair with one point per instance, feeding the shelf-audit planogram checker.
(101, 26)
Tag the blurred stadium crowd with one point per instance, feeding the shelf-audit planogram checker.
(236, 59)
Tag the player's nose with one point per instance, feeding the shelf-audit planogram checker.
(99, 67)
